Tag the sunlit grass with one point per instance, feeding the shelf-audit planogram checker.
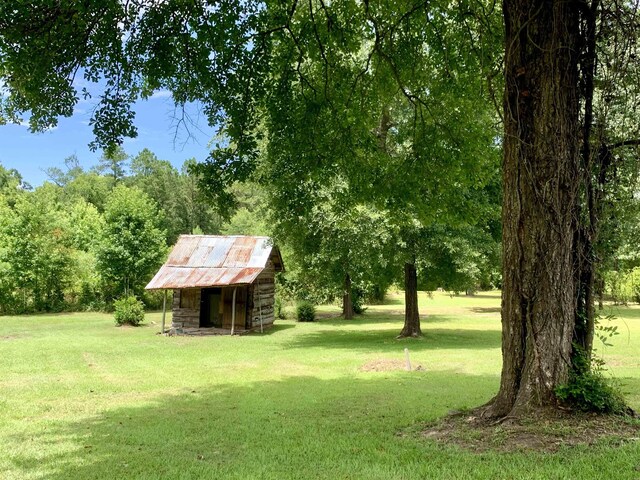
(82, 398)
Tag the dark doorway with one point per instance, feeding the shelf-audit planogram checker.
(211, 308)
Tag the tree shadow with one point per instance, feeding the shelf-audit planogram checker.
(621, 311)
(275, 328)
(480, 295)
(385, 339)
(485, 309)
(380, 317)
(294, 428)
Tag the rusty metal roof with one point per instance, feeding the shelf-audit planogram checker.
(215, 261)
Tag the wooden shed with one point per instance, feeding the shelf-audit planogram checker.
(220, 283)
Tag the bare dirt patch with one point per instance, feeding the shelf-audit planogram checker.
(543, 433)
(386, 365)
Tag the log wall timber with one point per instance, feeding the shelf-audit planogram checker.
(186, 317)
(263, 298)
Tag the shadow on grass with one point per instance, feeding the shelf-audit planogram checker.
(380, 317)
(276, 328)
(620, 311)
(486, 309)
(300, 427)
(397, 300)
(385, 339)
(479, 295)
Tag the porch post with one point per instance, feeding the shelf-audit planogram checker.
(164, 309)
(233, 310)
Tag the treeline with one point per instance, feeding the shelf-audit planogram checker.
(86, 237)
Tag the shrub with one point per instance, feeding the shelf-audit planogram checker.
(278, 307)
(306, 312)
(357, 300)
(129, 310)
(589, 390)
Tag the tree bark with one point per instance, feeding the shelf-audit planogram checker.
(347, 301)
(541, 181)
(411, 314)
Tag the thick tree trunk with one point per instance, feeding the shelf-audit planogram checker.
(541, 179)
(347, 301)
(411, 314)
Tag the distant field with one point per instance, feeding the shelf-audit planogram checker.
(81, 398)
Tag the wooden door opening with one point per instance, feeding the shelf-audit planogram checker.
(211, 308)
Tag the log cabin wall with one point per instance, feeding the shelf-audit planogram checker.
(186, 308)
(263, 296)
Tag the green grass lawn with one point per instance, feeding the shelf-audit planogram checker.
(81, 398)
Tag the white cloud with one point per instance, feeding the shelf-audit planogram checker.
(161, 94)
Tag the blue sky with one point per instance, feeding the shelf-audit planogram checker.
(32, 153)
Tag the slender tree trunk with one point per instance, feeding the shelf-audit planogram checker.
(411, 314)
(541, 180)
(347, 301)
(587, 216)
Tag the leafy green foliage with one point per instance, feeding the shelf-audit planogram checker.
(588, 389)
(624, 287)
(132, 245)
(278, 307)
(128, 311)
(306, 312)
(55, 240)
(605, 329)
(358, 299)
(113, 163)
(35, 253)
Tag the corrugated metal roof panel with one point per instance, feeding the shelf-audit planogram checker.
(213, 260)
(186, 277)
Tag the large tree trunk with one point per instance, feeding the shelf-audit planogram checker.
(347, 300)
(411, 314)
(541, 179)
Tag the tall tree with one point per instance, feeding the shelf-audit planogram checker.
(113, 163)
(132, 246)
(160, 181)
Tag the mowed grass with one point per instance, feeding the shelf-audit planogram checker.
(81, 398)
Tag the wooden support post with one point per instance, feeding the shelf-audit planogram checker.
(164, 310)
(260, 305)
(233, 310)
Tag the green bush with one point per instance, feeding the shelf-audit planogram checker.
(278, 307)
(357, 300)
(129, 310)
(589, 390)
(306, 312)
